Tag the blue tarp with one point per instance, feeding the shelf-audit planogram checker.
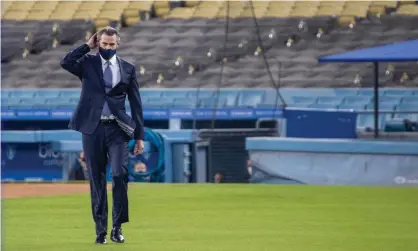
(396, 52)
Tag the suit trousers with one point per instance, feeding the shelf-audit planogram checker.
(108, 144)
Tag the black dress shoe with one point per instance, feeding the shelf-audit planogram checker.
(116, 235)
(101, 239)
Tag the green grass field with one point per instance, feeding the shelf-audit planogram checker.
(225, 217)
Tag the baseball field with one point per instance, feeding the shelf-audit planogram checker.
(209, 217)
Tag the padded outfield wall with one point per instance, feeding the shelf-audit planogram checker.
(333, 161)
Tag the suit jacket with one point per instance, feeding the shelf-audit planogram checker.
(86, 117)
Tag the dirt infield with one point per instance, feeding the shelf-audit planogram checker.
(11, 190)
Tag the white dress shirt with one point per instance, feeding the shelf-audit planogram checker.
(114, 66)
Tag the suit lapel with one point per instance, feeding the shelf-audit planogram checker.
(122, 71)
(97, 65)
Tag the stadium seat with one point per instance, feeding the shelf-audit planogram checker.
(366, 121)
(410, 116)
(409, 99)
(408, 10)
(395, 92)
(352, 106)
(65, 10)
(191, 3)
(366, 92)
(207, 9)
(156, 103)
(56, 101)
(323, 106)
(250, 100)
(279, 9)
(212, 102)
(69, 94)
(407, 107)
(357, 100)
(299, 100)
(184, 103)
(175, 94)
(183, 45)
(395, 125)
(182, 13)
(260, 8)
(331, 100)
(50, 94)
(162, 8)
(382, 106)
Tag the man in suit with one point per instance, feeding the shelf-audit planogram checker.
(106, 128)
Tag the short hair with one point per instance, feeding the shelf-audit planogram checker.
(110, 31)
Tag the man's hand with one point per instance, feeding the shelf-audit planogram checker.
(139, 147)
(92, 43)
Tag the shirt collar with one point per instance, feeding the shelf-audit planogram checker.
(112, 60)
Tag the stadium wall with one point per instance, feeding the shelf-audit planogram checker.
(48, 155)
(333, 161)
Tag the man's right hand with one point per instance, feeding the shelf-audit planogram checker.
(92, 43)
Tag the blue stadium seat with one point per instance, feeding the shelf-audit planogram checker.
(5, 93)
(269, 100)
(396, 92)
(410, 99)
(230, 97)
(202, 94)
(407, 107)
(394, 100)
(10, 101)
(410, 116)
(330, 100)
(57, 102)
(22, 94)
(184, 103)
(323, 106)
(299, 100)
(150, 94)
(48, 94)
(395, 125)
(357, 100)
(413, 107)
(250, 99)
(366, 92)
(352, 106)
(346, 92)
(382, 107)
(210, 102)
(156, 103)
(175, 94)
(31, 102)
(70, 94)
(298, 105)
(367, 120)
(74, 101)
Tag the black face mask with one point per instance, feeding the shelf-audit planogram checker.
(107, 53)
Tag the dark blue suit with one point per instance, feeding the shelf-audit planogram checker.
(105, 142)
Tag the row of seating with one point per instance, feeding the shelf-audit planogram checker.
(365, 122)
(188, 56)
(101, 12)
(187, 53)
(22, 39)
(230, 98)
(190, 92)
(391, 99)
(347, 11)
